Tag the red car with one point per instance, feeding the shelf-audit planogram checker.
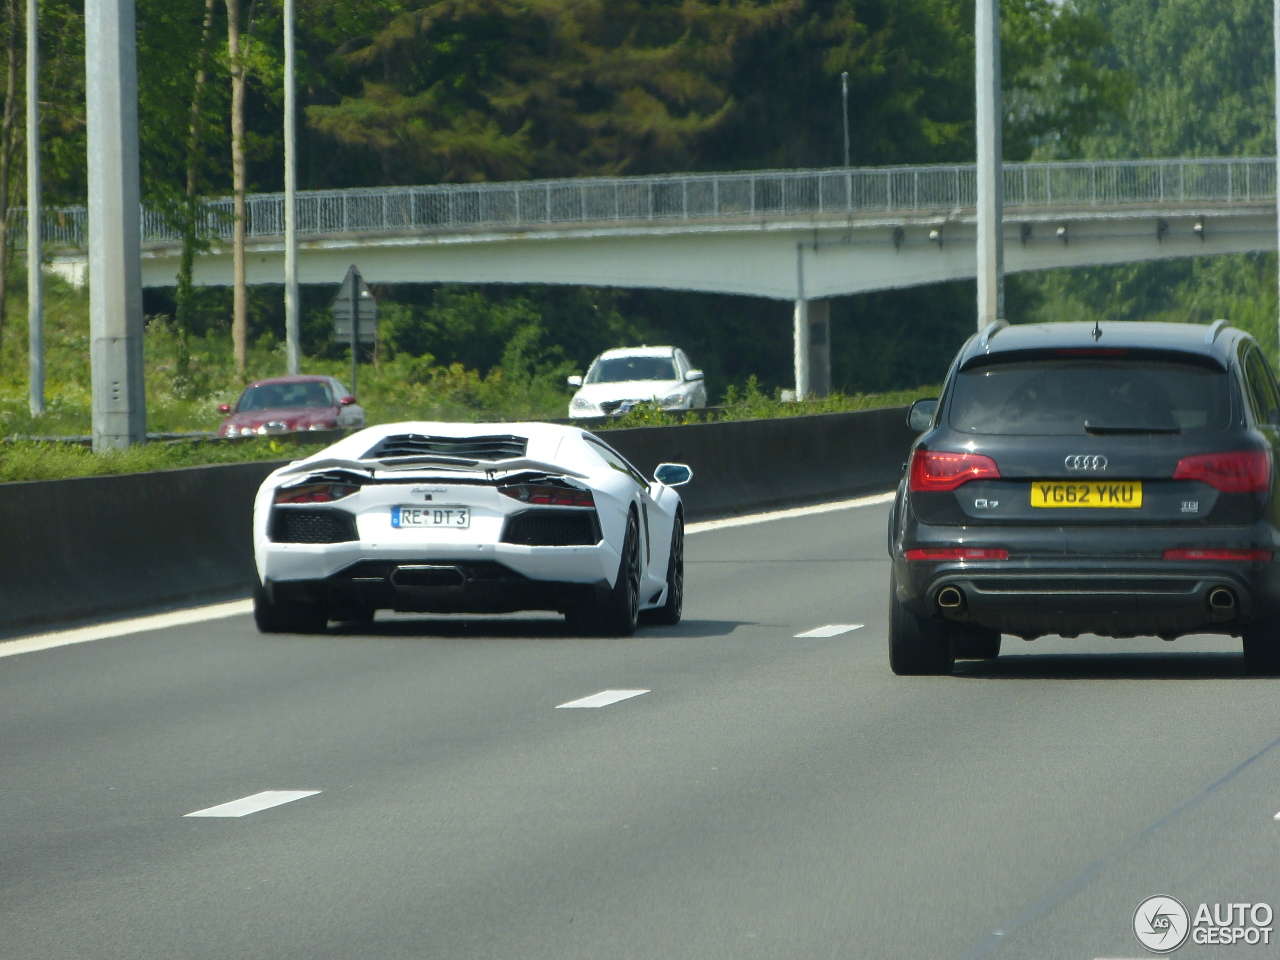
(288, 404)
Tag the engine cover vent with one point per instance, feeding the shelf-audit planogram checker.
(498, 447)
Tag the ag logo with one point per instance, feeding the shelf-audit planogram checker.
(1161, 924)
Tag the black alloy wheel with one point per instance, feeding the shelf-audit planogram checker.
(669, 613)
(621, 610)
(274, 616)
(917, 645)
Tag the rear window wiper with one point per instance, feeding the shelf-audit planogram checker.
(1096, 429)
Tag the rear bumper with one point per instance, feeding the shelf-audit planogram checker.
(1068, 603)
(1108, 581)
(441, 585)
(318, 561)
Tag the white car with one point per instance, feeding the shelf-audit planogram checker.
(617, 380)
(469, 518)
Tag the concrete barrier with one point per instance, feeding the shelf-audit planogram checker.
(748, 465)
(92, 547)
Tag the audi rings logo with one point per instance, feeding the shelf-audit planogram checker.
(1161, 924)
(1086, 461)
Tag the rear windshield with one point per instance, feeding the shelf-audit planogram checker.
(1090, 397)
(622, 369)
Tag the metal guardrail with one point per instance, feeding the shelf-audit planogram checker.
(706, 196)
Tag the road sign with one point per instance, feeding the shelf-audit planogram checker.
(366, 309)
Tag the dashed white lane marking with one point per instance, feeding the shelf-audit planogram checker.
(788, 514)
(247, 805)
(1276, 817)
(830, 630)
(120, 628)
(601, 699)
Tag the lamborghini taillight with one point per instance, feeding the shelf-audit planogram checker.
(548, 495)
(315, 493)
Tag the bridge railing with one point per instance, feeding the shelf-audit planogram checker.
(763, 195)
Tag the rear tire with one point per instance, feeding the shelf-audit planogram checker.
(976, 643)
(668, 615)
(1262, 649)
(273, 616)
(621, 611)
(917, 645)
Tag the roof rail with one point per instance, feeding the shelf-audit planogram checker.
(991, 330)
(1214, 329)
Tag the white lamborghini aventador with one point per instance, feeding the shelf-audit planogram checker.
(469, 518)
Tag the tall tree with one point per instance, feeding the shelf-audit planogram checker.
(191, 209)
(240, 293)
(7, 143)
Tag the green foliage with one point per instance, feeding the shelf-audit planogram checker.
(1205, 88)
(26, 460)
(751, 403)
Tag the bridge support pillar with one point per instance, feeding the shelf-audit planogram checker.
(812, 333)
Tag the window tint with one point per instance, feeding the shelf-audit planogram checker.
(615, 460)
(1262, 390)
(621, 369)
(272, 396)
(1079, 397)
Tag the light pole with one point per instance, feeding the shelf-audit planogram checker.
(115, 235)
(1276, 28)
(293, 346)
(844, 99)
(990, 187)
(35, 281)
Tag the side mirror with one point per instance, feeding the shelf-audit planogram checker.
(347, 401)
(694, 375)
(673, 474)
(575, 381)
(224, 408)
(920, 416)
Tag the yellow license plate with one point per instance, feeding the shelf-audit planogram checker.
(1101, 493)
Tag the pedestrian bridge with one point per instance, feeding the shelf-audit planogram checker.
(786, 234)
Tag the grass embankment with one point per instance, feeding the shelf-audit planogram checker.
(187, 378)
(54, 461)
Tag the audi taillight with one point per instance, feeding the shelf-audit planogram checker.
(556, 496)
(958, 553)
(1238, 471)
(938, 470)
(1215, 553)
(315, 493)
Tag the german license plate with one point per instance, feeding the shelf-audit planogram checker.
(1098, 493)
(458, 518)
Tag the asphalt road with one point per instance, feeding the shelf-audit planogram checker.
(770, 796)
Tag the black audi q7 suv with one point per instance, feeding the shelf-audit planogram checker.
(1114, 479)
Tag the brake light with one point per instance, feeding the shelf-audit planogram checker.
(550, 495)
(315, 493)
(1247, 556)
(1239, 471)
(937, 470)
(958, 553)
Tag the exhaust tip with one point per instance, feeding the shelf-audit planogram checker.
(1220, 598)
(950, 598)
